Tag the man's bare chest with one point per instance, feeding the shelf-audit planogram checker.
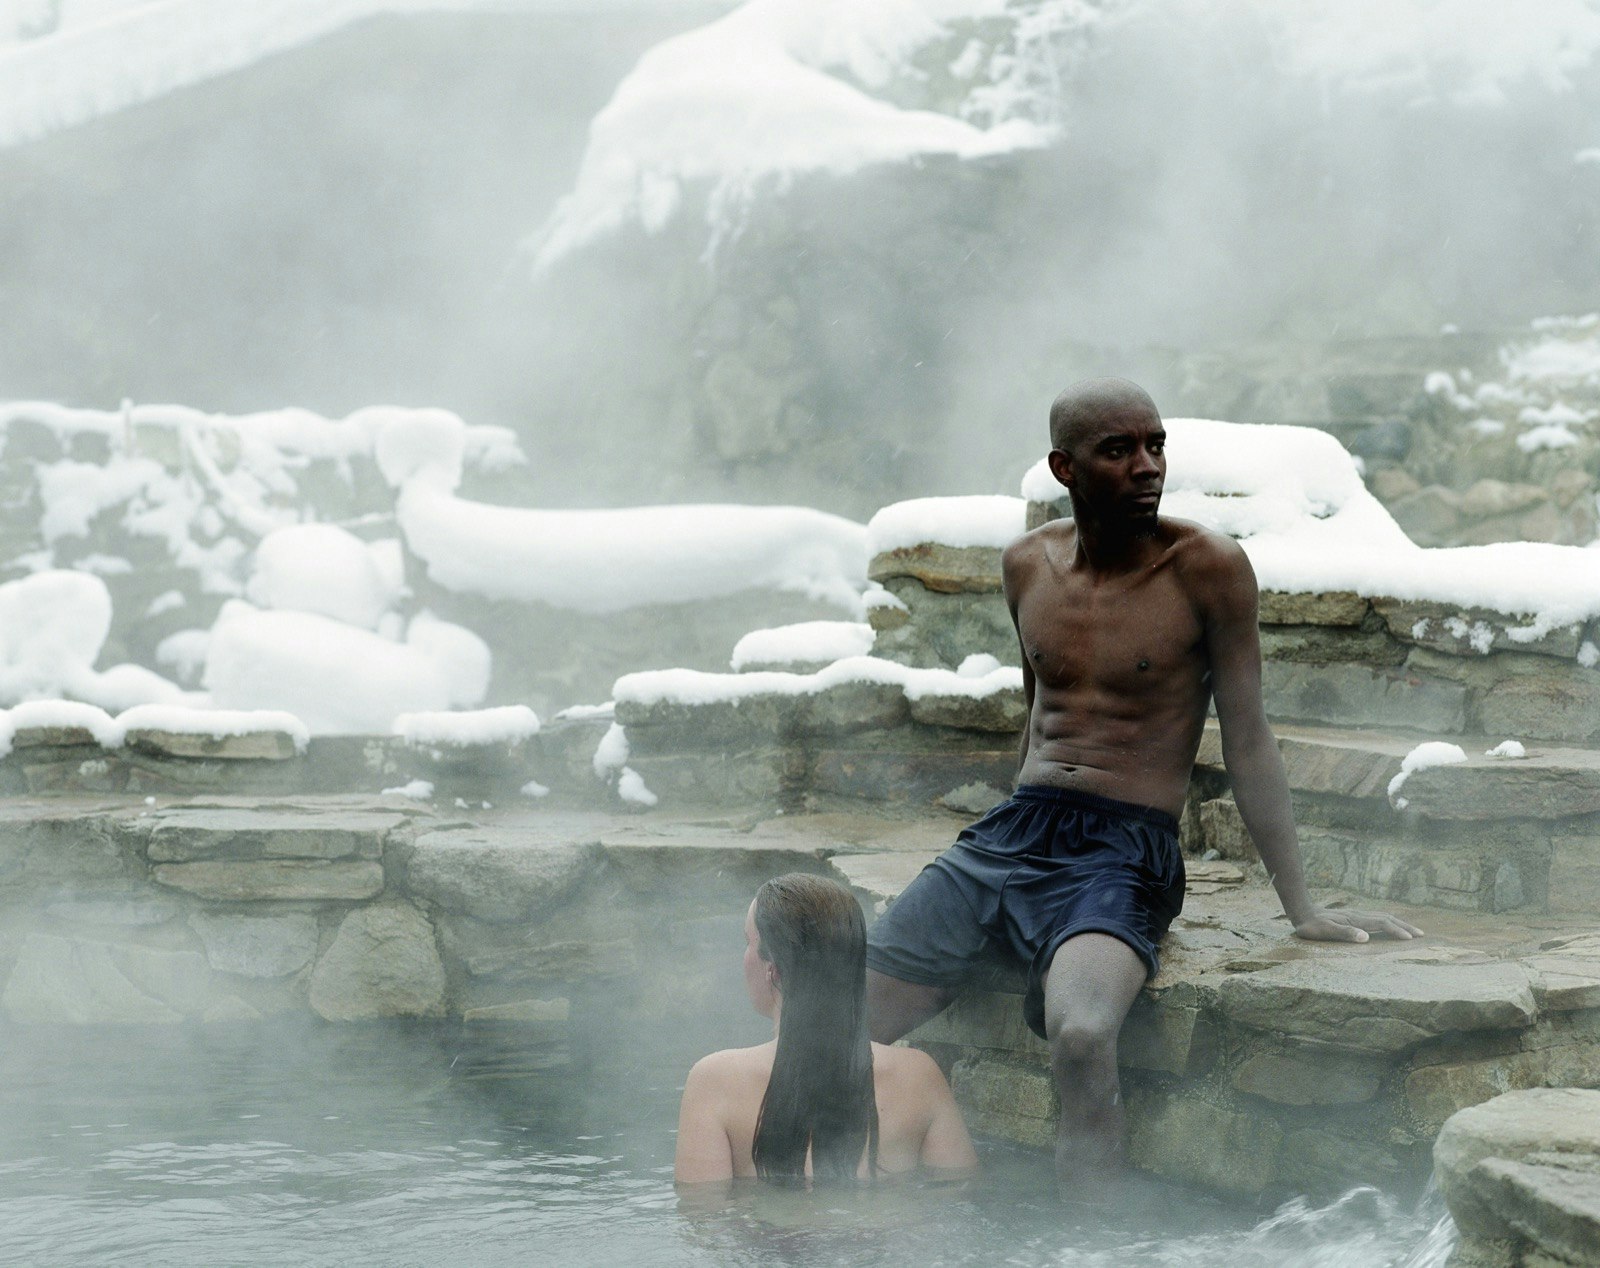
(1128, 638)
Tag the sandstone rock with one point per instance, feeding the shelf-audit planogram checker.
(1397, 870)
(522, 1011)
(975, 798)
(852, 706)
(1389, 484)
(270, 746)
(498, 875)
(381, 963)
(880, 876)
(53, 737)
(1169, 1039)
(1575, 874)
(254, 880)
(1469, 632)
(1006, 1098)
(1003, 711)
(1488, 498)
(1523, 1170)
(256, 946)
(1325, 645)
(1374, 1003)
(82, 981)
(1353, 695)
(1331, 607)
(185, 833)
(1222, 829)
(1430, 517)
(943, 629)
(742, 777)
(941, 568)
(1308, 1074)
(134, 911)
(1185, 1138)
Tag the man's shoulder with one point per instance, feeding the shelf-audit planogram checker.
(1031, 546)
(1199, 547)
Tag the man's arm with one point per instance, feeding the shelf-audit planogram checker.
(1010, 577)
(1250, 753)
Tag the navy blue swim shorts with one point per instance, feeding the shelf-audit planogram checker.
(1041, 867)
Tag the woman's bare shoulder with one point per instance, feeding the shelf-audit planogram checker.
(732, 1064)
(909, 1066)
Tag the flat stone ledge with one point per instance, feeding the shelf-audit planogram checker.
(284, 880)
(942, 569)
(1521, 1175)
(253, 746)
(1379, 1003)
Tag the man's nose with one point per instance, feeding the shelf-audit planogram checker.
(1146, 465)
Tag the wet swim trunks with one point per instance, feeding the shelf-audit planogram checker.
(1041, 867)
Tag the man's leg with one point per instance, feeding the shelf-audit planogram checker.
(896, 1008)
(1091, 984)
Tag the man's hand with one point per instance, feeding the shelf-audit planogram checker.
(1324, 924)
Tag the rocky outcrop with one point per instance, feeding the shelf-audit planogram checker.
(1522, 1176)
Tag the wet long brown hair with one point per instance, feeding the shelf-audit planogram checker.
(820, 1096)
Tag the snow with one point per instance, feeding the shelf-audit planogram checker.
(216, 723)
(534, 790)
(599, 561)
(339, 679)
(977, 665)
(980, 520)
(184, 652)
(1294, 500)
(612, 752)
(107, 55)
(507, 724)
(772, 90)
(1427, 754)
(1507, 748)
(697, 687)
(1548, 437)
(416, 789)
(166, 601)
(323, 569)
(816, 641)
(877, 597)
(65, 714)
(1588, 655)
(630, 787)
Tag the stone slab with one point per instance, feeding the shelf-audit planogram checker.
(890, 777)
(1332, 607)
(383, 962)
(186, 833)
(83, 981)
(1354, 695)
(1308, 1074)
(1471, 631)
(498, 875)
(1184, 1138)
(256, 946)
(1003, 711)
(256, 746)
(943, 569)
(1544, 1127)
(1379, 1002)
(257, 880)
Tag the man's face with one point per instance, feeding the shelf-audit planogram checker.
(1119, 467)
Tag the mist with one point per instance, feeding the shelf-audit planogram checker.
(1231, 197)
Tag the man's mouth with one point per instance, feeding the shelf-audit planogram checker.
(1147, 498)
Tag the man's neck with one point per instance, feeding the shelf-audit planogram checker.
(1110, 549)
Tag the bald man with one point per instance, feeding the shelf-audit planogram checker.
(1130, 623)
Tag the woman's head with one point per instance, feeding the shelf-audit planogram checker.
(806, 955)
(802, 933)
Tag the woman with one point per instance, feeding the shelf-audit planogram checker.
(820, 1099)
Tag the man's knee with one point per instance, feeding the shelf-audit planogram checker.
(1079, 1038)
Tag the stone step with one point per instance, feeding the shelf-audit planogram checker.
(1487, 834)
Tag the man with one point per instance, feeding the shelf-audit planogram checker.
(1129, 625)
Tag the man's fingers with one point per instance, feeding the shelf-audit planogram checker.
(1388, 926)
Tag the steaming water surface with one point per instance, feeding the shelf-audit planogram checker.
(424, 1146)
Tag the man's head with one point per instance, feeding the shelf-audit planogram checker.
(1108, 449)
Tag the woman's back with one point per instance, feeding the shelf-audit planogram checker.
(918, 1122)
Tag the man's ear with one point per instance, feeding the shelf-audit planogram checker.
(1061, 467)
